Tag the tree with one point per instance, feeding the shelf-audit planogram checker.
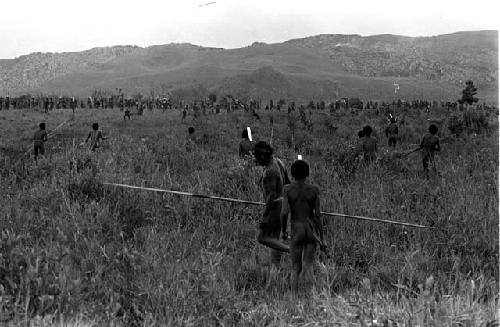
(468, 94)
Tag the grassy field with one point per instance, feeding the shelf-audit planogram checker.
(75, 252)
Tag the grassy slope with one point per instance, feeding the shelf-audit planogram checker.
(75, 247)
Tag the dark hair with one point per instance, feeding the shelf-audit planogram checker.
(361, 134)
(42, 125)
(244, 134)
(262, 147)
(95, 126)
(367, 131)
(300, 169)
(393, 120)
(433, 129)
(191, 130)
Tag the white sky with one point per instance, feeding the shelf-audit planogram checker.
(73, 25)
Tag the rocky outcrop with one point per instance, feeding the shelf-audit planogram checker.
(451, 58)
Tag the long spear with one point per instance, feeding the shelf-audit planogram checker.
(332, 214)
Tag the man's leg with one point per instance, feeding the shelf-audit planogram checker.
(272, 241)
(296, 254)
(309, 252)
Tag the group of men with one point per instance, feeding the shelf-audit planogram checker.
(428, 146)
(301, 200)
(40, 137)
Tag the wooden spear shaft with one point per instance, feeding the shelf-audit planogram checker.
(331, 214)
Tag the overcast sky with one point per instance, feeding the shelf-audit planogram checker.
(73, 25)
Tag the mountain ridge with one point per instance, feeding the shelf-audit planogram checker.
(349, 64)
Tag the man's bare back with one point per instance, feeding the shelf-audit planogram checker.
(303, 199)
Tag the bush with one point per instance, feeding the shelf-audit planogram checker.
(470, 122)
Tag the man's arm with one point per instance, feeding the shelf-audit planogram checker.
(285, 209)
(318, 217)
(270, 189)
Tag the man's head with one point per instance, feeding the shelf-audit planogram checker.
(244, 134)
(367, 131)
(191, 130)
(42, 126)
(263, 153)
(95, 126)
(433, 129)
(300, 169)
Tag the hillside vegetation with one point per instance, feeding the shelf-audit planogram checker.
(336, 65)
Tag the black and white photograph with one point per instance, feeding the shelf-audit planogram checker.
(249, 163)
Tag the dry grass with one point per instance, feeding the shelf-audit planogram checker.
(76, 253)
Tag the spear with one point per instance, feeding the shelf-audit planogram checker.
(212, 197)
(412, 151)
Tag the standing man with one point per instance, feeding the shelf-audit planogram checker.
(95, 136)
(273, 179)
(39, 139)
(369, 145)
(301, 199)
(246, 146)
(391, 132)
(73, 104)
(429, 146)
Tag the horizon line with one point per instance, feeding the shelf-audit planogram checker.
(241, 47)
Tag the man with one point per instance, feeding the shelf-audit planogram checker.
(429, 146)
(391, 132)
(246, 146)
(127, 114)
(39, 139)
(369, 145)
(273, 179)
(184, 112)
(190, 140)
(95, 136)
(302, 201)
(73, 104)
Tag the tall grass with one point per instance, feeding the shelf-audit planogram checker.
(75, 252)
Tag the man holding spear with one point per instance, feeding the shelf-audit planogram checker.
(429, 146)
(273, 179)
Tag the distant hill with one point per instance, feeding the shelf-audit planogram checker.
(322, 66)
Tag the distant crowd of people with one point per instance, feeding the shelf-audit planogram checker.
(204, 105)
